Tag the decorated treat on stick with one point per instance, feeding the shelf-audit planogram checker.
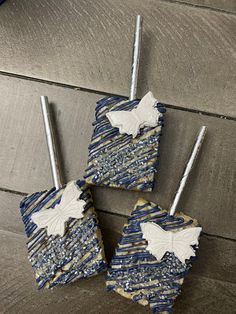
(156, 250)
(125, 143)
(64, 240)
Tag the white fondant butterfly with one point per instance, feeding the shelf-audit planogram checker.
(161, 241)
(130, 122)
(54, 219)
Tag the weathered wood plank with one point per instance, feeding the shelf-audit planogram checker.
(25, 166)
(18, 292)
(188, 53)
(209, 195)
(23, 138)
(226, 5)
(9, 211)
(216, 257)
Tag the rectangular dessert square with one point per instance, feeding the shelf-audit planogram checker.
(58, 260)
(135, 273)
(118, 160)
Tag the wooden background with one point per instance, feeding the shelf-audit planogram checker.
(75, 52)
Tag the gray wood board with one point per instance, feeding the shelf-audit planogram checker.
(24, 163)
(188, 54)
(216, 256)
(225, 5)
(18, 292)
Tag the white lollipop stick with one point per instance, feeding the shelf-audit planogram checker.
(51, 142)
(188, 168)
(136, 57)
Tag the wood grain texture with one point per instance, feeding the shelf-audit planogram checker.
(216, 257)
(188, 54)
(22, 133)
(18, 292)
(226, 5)
(209, 195)
(25, 167)
(9, 209)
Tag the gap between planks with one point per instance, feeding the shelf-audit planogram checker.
(199, 6)
(97, 92)
(116, 214)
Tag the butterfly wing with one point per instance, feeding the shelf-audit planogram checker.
(71, 206)
(42, 218)
(125, 121)
(147, 100)
(70, 193)
(130, 122)
(74, 210)
(147, 112)
(157, 238)
(189, 235)
(54, 219)
(56, 226)
(183, 241)
(50, 219)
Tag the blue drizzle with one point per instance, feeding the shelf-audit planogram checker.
(107, 162)
(48, 254)
(134, 270)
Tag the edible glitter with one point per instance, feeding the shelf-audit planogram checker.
(135, 271)
(61, 260)
(119, 160)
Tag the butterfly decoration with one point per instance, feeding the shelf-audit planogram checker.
(130, 122)
(70, 206)
(161, 241)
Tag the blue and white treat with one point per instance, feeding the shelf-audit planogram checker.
(64, 240)
(125, 143)
(153, 256)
